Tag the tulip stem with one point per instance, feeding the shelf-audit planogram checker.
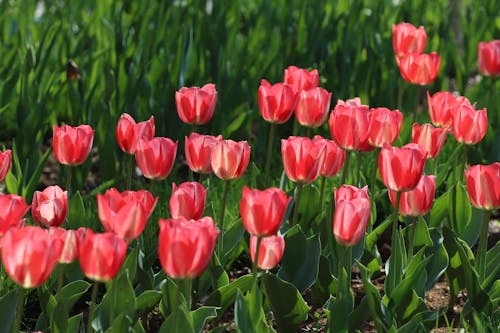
(92, 304)
(464, 161)
(19, 309)
(297, 203)
(255, 269)
(269, 151)
(346, 167)
(69, 173)
(60, 279)
(187, 287)
(395, 214)
(374, 172)
(221, 217)
(130, 171)
(322, 191)
(411, 236)
(308, 132)
(482, 247)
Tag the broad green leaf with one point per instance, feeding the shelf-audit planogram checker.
(71, 293)
(146, 301)
(395, 264)
(439, 260)
(225, 296)
(121, 323)
(373, 237)
(8, 304)
(342, 306)
(179, 321)
(76, 211)
(74, 323)
(460, 208)
(308, 206)
(427, 318)
(439, 211)
(232, 237)
(201, 315)
(30, 188)
(422, 236)
(248, 313)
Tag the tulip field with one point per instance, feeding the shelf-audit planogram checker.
(205, 166)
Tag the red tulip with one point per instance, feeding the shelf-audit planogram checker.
(416, 202)
(72, 145)
(429, 138)
(349, 124)
(303, 158)
(5, 162)
(198, 149)
(469, 126)
(128, 132)
(263, 211)
(276, 102)
(29, 255)
(271, 250)
(101, 255)
(145, 198)
(156, 157)
(334, 157)
(401, 168)
(406, 38)
(384, 126)
(50, 206)
(489, 57)
(230, 159)
(185, 247)
(71, 243)
(483, 185)
(301, 79)
(124, 214)
(12, 210)
(419, 69)
(196, 105)
(187, 200)
(312, 107)
(352, 214)
(441, 105)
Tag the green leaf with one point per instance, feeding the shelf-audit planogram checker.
(439, 261)
(439, 210)
(225, 296)
(121, 323)
(461, 208)
(76, 211)
(29, 189)
(288, 306)
(427, 318)
(214, 272)
(248, 313)
(232, 237)
(342, 306)
(71, 293)
(308, 206)
(130, 263)
(59, 318)
(201, 315)
(422, 236)
(74, 323)
(395, 265)
(373, 237)
(8, 304)
(492, 266)
(146, 301)
(301, 273)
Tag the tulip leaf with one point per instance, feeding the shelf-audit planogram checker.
(373, 237)
(214, 273)
(439, 210)
(301, 273)
(395, 264)
(76, 211)
(29, 189)
(439, 261)
(423, 320)
(130, 263)
(248, 312)
(492, 266)
(59, 319)
(121, 323)
(146, 301)
(201, 315)
(460, 209)
(422, 236)
(71, 293)
(232, 237)
(288, 306)
(342, 306)
(225, 296)
(74, 323)
(8, 304)
(308, 206)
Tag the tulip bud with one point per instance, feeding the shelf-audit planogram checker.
(50, 206)
(483, 185)
(72, 145)
(156, 157)
(303, 158)
(230, 159)
(187, 200)
(271, 250)
(198, 150)
(196, 105)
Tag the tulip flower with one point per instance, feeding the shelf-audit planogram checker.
(145, 198)
(401, 168)
(185, 247)
(416, 202)
(198, 150)
(429, 138)
(5, 162)
(263, 211)
(71, 243)
(469, 125)
(406, 38)
(187, 200)
(489, 57)
(271, 250)
(156, 157)
(196, 105)
(384, 126)
(50, 206)
(229, 159)
(301, 79)
(101, 255)
(276, 102)
(421, 69)
(303, 158)
(334, 157)
(352, 214)
(312, 107)
(71, 145)
(348, 124)
(128, 132)
(12, 210)
(29, 255)
(483, 185)
(441, 105)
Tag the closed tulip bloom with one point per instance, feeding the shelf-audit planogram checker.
(71, 243)
(145, 198)
(441, 105)
(312, 107)
(429, 138)
(334, 157)
(416, 202)
(469, 125)
(483, 185)
(196, 105)
(276, 102)
(489, 57)
(303, 158)
(406, 38)
(187, 200)
(421, 69)
(12, 209)
(401, 168)
(349, 192)
(263, 211)
(156, 157)
(198, 151)
(5, 162)
(71, 145)
(185, 247)
(230, 159)
(101, 255)
(128, 132)
(301, 79)
(348, 124)
(384, 126)
(271, 250)
(352, 214)
(29, 255)
(50, 206)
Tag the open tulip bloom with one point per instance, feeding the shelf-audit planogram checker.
(196, 105)
(300, 78)
(406, 38)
